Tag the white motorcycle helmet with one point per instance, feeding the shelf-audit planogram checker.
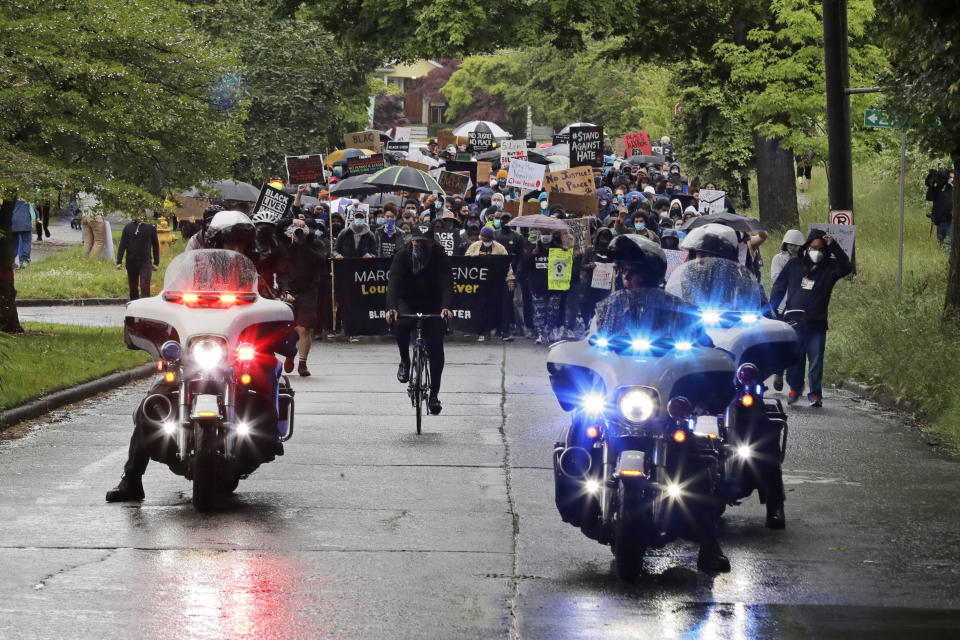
(231, 229)
(714, 239)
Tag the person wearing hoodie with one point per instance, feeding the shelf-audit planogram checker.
(793, 241)
(606, 205)
(807, 281)
(547, 304)
(389, 238)
(494, 317)
(592, 256)
(356, 241)
(675, 209)
(24, 216)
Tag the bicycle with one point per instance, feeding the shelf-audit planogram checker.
(418, 387)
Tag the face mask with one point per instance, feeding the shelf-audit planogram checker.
(502, 182)
(419, 258)
(814, 255)
(498, 204)
(358, 223)
(496, 224)
(533, 236)
(620, 198)
(390, 224)
(793, 249)
(603, 203)
(438, 205)
(641, 226)
(546, 238)
(381, 221)
(543, 205)
(336, 229)
(487, 244)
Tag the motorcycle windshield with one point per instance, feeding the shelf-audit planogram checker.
(649, 314)
(717, 284)
(211, 270)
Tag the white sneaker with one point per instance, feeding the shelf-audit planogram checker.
(540, 339)
(481, 338)
(353, 339)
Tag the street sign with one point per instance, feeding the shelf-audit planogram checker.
(841, 217)
(877, 118)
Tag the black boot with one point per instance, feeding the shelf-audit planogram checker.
(776, 519)
(433, 403)
(711, 558)
(129, 488)
(403, 372)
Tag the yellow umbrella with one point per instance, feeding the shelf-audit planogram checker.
(337, 156)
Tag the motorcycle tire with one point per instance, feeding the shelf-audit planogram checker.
(205, 482)
(628, 534)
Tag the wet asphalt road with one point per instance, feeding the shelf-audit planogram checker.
(365, 530)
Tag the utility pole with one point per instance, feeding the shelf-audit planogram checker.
(840, 162)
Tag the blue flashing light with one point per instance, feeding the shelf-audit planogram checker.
(593, 403)
(759, 389)
(711, 317)
(683, 345)
(602, 342)
(640, 344)
(748, 318)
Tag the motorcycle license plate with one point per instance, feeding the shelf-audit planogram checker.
(707, 426)
(630, 461)
(205, 406)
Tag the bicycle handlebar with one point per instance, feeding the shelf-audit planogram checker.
(419, 315)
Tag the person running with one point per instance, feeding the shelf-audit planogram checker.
(420, 281)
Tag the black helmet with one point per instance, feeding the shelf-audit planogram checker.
(211, 211)
(633, 252)
(231, 229)
(715, 239)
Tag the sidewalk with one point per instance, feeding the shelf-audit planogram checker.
(99, 316)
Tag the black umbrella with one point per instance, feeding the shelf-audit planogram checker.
(226, 190)
(654, 159)
(380, 199)
(400, 178)
(353, 186)
(732, 220)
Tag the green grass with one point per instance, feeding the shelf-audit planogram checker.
(67, 275)
(875, 337)
(48, 357)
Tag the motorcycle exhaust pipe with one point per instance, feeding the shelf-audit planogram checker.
(157, 408)
(575, 462)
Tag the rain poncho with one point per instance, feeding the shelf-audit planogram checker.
(717, 283)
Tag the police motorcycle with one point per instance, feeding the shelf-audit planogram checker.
(736, 315)
(219, 407)
(638, 465)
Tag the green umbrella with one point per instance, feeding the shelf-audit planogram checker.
(400, 178)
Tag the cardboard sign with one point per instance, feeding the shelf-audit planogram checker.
(305, 169)
(464, 157)
(711, 201)
(841, 217)
(516, 208)
(844, 234)
(366, 164)
(402, 134)
(480, 140)
(577, 180)
(619, 148)
(525, 175)
(580, 232)
(573, 203)
(273, 200)
(674, 259)
(637, 143)
(454, 184)
(445, 138)
(398, 147)
(603, 274)
(416, 165)
(484, 169)
(586, 146)
(512, 150)
(561, 138)
(468, 168)
(363, 140)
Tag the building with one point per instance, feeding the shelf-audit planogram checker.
(419, 111)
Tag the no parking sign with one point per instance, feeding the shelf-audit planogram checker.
(841, 217)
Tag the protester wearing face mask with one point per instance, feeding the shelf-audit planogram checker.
(641, 229)
(592, 256)
(807, 282)
(389, 238)
(544, 204)
(356, 241)
(496, 200)
(496, 316)
(473, 235)
(547, 304)
(793, 241)
(336, 227)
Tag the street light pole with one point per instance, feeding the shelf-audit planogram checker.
(840, 162)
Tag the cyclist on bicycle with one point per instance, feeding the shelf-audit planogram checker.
(420, 282)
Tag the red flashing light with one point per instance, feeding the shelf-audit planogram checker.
(246, 352)
(228, 298)
(159, 365)
(190, 297)
(747, 400)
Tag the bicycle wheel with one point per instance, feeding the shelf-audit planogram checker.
(416, 381)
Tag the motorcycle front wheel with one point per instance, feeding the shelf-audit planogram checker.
(205, 473)
(628, 534)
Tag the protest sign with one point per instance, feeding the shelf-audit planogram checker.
(415, 165)
(363, 140)
(674, 259)
(637, 143)
(560, 269)
(470, 168)
(480, 140)
(561, 138)
(478, 285)
(586, 146)
(351, 213)
(305, 169)
(402, 134)
(360, 289)
(573, 203)
(603, 276)
(845, 235)
(619, 148)
(366, 164)
(580, 232)
(525, 175)
(464, 157)
(577, 180)
(445, 138)
(398, 147)
(516, 208)
(447, 239)
(711, 201)
(273, 200)
(454, 184)
(512, 150)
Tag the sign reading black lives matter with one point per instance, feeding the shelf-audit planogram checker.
(305, 169)
(272, 200)
(447, 239)
(480, 140)
(360, 287)
(586, 146)
(398, 147)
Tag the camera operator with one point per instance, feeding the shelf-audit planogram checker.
(940, 192)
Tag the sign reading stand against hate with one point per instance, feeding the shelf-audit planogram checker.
(586, 146)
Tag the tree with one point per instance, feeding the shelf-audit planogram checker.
(922, 41)
(109, 99)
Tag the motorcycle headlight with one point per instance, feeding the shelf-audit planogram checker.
(638, 405)
(208, 353)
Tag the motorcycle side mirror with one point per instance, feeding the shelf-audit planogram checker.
(795, 317)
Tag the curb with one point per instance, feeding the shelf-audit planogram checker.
(57, 399)
(71, 302)
(880, 394)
